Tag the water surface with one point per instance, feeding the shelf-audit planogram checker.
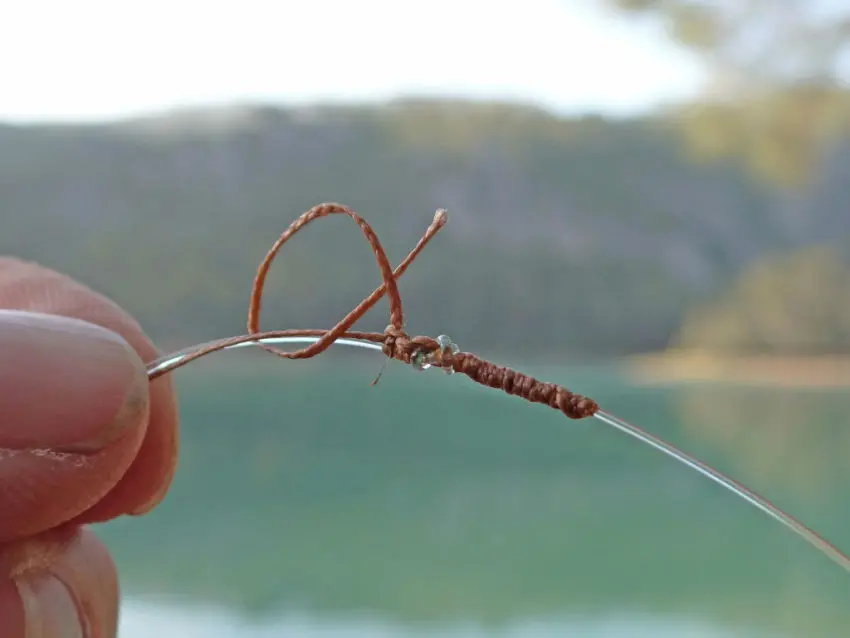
(428, 502)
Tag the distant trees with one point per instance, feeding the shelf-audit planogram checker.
(789, 304)
(567, 237)
(778, 97)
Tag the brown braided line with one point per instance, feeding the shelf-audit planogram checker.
(390, 287)
(340, 331)
(396, 343)
(518, 384)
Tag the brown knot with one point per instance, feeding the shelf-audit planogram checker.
(396, 344)
(402, 347)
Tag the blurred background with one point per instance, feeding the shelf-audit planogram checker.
(648, 203)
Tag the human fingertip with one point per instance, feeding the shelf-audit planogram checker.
(49, 608)
(66, 384)
(66, 586)
(132, 412)
(11, 610)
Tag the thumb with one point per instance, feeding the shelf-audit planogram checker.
(65, 383)
(73, 412)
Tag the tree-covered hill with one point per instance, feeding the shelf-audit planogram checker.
(565, 237)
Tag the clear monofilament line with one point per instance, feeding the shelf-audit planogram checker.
(173, 358)
(756, 500)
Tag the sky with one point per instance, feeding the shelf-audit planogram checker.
(104, 59)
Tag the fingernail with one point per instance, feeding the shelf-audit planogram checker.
(131, 412)
(68, 384)
(49, 609)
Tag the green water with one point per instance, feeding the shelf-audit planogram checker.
(429, 499)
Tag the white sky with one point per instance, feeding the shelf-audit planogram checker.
(94, 59)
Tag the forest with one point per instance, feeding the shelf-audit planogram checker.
(567, 237)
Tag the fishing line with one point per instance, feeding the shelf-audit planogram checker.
(423, 353)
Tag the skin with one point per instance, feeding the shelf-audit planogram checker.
(72, 381)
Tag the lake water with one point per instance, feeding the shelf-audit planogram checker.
(146, 618)
(427, 506)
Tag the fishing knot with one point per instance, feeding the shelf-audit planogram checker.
(400, 346)
(397, 344)
(420, 352)
(574, 406)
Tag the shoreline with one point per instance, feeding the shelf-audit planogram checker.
(663, 368)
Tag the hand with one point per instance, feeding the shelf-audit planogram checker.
(69, 384)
